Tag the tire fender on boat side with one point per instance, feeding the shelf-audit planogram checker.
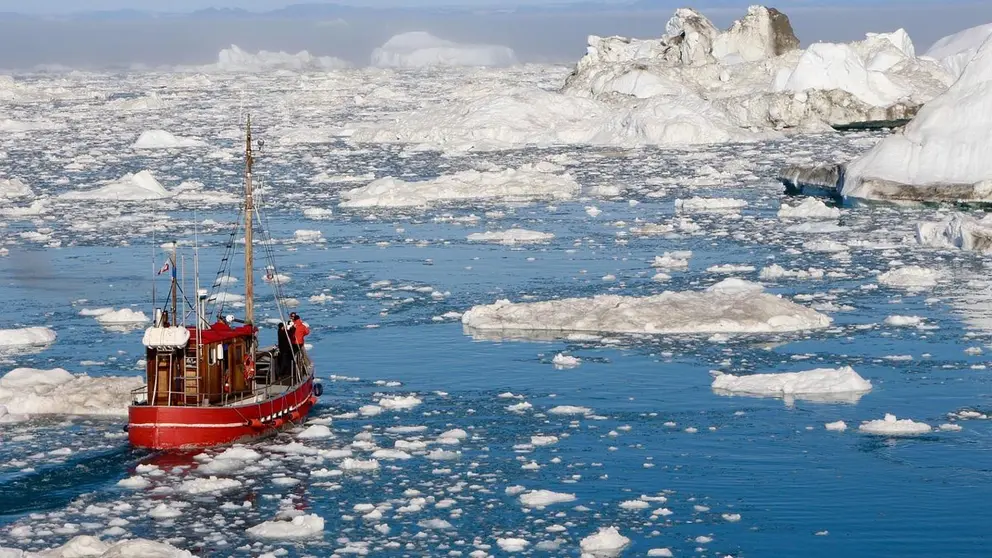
(318, 389)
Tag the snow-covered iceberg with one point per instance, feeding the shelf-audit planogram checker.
(29, 391)
(942, 154)
(235, 59)
(528, 183)
(731, 306)
(418, 49)
(130, 187)
(822, 384)
(161, 139)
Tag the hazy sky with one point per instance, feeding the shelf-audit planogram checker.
(556, 36)
(67, 6)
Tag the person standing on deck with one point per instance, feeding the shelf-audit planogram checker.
(300, 331)
(285, 351)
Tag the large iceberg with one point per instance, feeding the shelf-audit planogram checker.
(731, 306)
(755, 73)
(419, 49)
(130, 187)
(942, 154)
(235, 59)
(528, 183)
(694, 85)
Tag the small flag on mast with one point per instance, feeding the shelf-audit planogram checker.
(164, 268)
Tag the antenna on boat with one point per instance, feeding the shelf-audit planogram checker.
(249, 216)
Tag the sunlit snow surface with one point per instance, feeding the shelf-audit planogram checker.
(428, 441)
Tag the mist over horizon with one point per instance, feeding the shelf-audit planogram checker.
(538, 35)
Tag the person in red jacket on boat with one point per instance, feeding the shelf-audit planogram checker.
(298, 333)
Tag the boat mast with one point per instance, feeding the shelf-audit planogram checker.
(173, 319)
(249, 217)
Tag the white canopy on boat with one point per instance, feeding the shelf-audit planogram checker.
(166, 337)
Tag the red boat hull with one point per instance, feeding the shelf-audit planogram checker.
(178, 427)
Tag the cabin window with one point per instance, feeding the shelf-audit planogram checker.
(211, 356)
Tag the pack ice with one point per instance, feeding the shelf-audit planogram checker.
(731, 306)
(419, 49)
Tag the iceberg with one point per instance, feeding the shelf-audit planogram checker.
(822, 384)
(891, 426)
(731, 306)
(419, 49)
(530, 182)
(130, 187)
(942, 154)
(235, 59)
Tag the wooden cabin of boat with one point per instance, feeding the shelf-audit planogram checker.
(186, 367)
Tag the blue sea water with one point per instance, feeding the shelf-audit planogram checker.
(653, 427)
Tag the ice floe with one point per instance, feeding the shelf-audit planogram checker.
(92, 547)
(891, 426)
(161, 139)
(822, 384)
(605, 543)
(527, 183)
(912, 277)
(511, 237)
(810, 208)
(418, 49)
(33, 391)
(300, 527)
(131, 187)
(732, 306)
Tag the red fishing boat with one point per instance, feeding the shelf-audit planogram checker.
(209, 382)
